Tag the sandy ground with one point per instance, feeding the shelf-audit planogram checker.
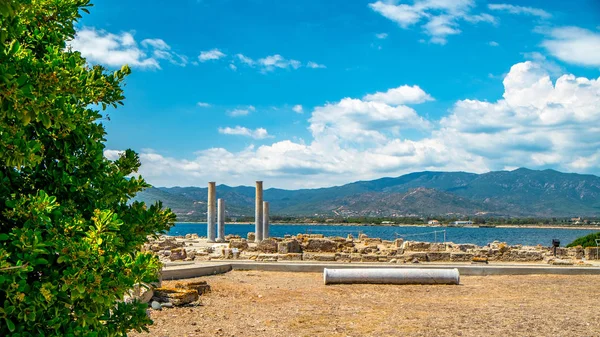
(251, 303)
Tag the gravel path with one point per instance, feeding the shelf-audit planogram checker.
(244, 303)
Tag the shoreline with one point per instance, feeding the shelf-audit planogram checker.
(405, 225)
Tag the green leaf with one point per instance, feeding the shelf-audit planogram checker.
(10, 324)
(3, 237)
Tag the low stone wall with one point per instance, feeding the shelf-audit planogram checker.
(316, 247)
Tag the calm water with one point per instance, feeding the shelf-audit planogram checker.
(479, 236)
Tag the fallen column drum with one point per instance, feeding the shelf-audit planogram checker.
(391, 276)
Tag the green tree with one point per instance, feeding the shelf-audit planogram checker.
(69, 238)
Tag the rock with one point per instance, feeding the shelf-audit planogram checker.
(267, 257)
(369, 258)
(318, 257)
(350, 237)
(592, 253)
(461, 257)
(289, 246)
(155, 305)
(240, 244)
(191, 236)
(251, 237)
(178, 254)
(416, 246)
(398, 243)
(321, 245)
(201, 287)
(393, 261)
(438, 256)
(166, 305)
(177, 296)
(560, 262)
(362, 236)
(290, 257)
(267, 246)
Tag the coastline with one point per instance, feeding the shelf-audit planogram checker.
(403, 225)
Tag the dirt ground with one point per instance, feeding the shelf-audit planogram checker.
(251, 303)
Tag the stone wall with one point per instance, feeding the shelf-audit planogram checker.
(316, 247)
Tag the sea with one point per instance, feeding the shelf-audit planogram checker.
(475, 235)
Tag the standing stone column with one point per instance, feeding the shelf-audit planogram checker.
(221, 220)
(258, 215)
(211, 215)
(266, 220)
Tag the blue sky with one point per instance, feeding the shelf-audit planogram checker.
(318, 93)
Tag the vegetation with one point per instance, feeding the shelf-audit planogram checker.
(586, 241)
(69, 240)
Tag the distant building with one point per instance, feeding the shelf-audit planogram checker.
(433, 222)
(468, 222)
(387, 222)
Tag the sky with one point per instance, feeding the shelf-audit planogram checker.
(312, 93)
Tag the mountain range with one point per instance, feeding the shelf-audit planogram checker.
(518, 193)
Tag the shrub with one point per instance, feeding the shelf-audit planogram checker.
(586, 241)
(69, 240)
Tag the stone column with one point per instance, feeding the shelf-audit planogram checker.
(258, 215)
(211, 215)
(221, 220)
(266, 220)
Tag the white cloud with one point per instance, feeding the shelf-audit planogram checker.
(298, 109)
(493, 44)
(315, 65)
(272, 62)
(381, 36)
(245, 59)
(115, 50)
(242, 111)
(259, 133)
(520, 10)
(232, 67)
(203, 104)
(208, 55)
(442, 17)
(404, 94)
(574, 45)
(538, 123)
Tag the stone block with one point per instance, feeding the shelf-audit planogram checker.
(398, 243)
(369, 258)
(177, 296)
(321, 245)
(419, 256)
(438, 256)
(251, 236)
(318, 257)
(178, 254)
(290, 257)
(289, 246)
(461, 257)
(267, 257)
(267, 246)
(201, 287)
(416, 246)
(240, 244)
(592, 253)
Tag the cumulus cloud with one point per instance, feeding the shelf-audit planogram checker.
(493, 44)
(538, 123)
(208, 55)
(259, 133)
(574, 45)
(298, 108)
(401, 95)
(115, 50)
(442, 17)
(272, 62)
(381, 36)
(520, 10)
(203, 104)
